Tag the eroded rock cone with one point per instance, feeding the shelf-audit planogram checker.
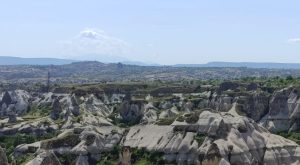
(75, 106)
(56, 109)
(6, 98)
(213, 156)
(3, 158)
(131, 112)
(12, 118)
(125, 156)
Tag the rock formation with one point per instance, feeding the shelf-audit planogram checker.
(3, 158)
(225, 125)
(56, 109)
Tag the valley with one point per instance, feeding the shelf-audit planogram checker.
(249, 120)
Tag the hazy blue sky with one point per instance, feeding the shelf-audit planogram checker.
(160, 31)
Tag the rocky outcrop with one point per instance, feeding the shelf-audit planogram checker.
(56, 109)
(212, 127)
(169, 113)
(230, 139)
(278, 112)
(150, 114)
(125, 156)
(6, 99)
(131, 111)
(228, 86)
(85, 143)
(254, 106)
(45, 158)
(284, 111)
(16, 101)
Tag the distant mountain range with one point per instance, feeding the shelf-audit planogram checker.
(245, 64)
(6, 60)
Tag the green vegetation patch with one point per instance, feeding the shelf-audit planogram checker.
(143, 157)
(108, 162)
(37, 112)
(294, 136)
(142, 162)
(190, 118)
(166, 121)
(199, 137)
(22, 160)
(138, 157)
(67, 159)
(11, 142)
(110, 158)
(70, 139)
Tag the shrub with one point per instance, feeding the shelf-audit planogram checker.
(166, 121)
(180, 119)
(199, 137)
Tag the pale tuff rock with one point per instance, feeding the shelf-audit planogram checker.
(279, 112)
(131, 111)
(165, 105)
(221, 136)
(95, 105)
(125, 156)
(254, 106)
(16, 101)
(169, 113)
(56, 109)
(188, 106)
(86, 140)
(230, 140)
(284, 111)
(26, 148)
(82, 160)
(45, 157)
(12, 117)
(150, 114)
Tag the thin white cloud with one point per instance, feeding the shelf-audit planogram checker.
(294, 40)
(94, 41)
(149, 45)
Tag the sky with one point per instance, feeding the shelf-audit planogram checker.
(152, 31)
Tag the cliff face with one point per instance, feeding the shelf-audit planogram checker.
(284, 111)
